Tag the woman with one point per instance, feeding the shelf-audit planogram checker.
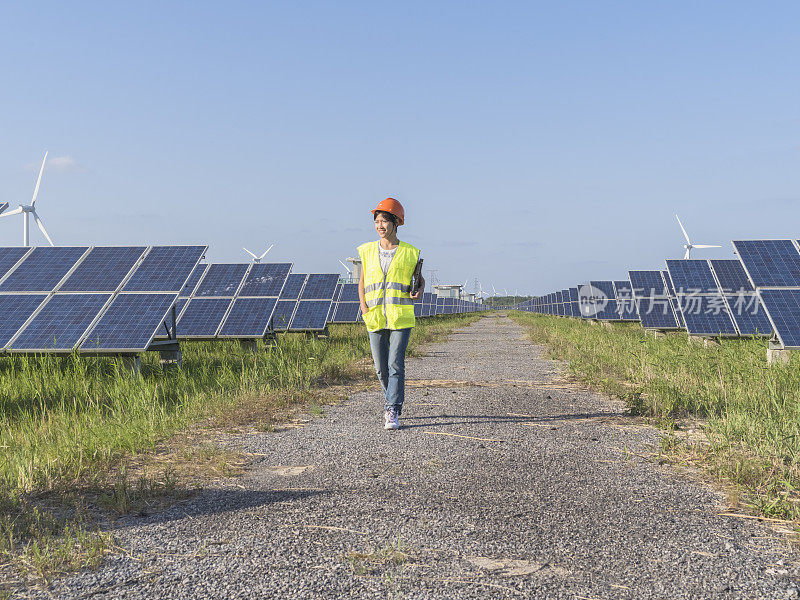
(387, 267)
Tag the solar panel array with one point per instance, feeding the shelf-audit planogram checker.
(100, 299)
(231, 300)
(772, 268)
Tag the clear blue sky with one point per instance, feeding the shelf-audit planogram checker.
(534, 145)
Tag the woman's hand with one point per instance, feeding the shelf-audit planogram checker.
(364, 309)
(418, 293)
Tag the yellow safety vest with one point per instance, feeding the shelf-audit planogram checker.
(398, 310)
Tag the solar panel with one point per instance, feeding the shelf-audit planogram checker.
(283, 314)
(310, 315)
(249, 317)
(607, 311)
(202, 317)
(350, 294)
(692, 277)
(103, 269)
(293, 287)
(706, 315)
(194, 278)
(606, 287)
(9, 256)
(16, 309)
(349, 312)
(731, 275)
(42, 269)
(647, 284)
(749, 315)
(783, 307)
(770, 263)
(656, 313)
(61, 323)
(221, 279)
(129, 323)
(338, 292)
(320, 286)
(165, 269)
(266, 279)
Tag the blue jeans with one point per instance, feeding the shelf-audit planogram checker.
(389, 354)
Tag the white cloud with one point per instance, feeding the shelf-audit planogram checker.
(62, 163)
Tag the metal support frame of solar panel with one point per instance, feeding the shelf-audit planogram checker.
(773, 268)
(700, 301)
(652, 299)
(310, 313)
(93, 299)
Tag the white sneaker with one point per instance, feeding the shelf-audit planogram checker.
(390, 420)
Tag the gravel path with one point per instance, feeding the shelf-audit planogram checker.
(557, 500)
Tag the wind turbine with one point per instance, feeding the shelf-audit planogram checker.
(689, 245)
(30, 209)
(257, 259)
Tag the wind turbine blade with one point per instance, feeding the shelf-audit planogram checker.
(41, 227)
(345, 266)
(248, 251)
(16, 211)
(38, 181)
(686, 235)
(265, 252)
(705, 246)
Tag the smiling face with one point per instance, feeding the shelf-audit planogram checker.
(384, 224)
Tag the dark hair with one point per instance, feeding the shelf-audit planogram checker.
(388, 215)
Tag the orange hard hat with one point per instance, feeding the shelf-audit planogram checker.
(392, 206)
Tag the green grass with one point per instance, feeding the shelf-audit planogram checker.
(67, 423)
(749, 410)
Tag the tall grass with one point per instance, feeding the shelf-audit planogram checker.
(750, 410)
(62, 419)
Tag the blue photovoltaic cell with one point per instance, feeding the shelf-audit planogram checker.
(338, 292)
(573, 294)
(656, 313)
(202, 317)
(42, 269)
(266, 279)
(417, 310)
(191, 283)
(607, 287)
(16, 308)
(749, 314)
(61, 322)
(622, 289)
(647, 284)
(310, 315)
(347, 312)
(103, 269)
(731, 275)
(249, 317)
(165, 269)
(331, 311)
(770, 263)
(130, 322)
(320, 286)
(783, 307)
(350, 294)
(692, 277)
(221, 279)
(9, 257)
(283, 314)
(607, 312)
(670, 286)
(294, 284)
(706, 315)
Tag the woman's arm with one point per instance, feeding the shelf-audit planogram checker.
(364, 309)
